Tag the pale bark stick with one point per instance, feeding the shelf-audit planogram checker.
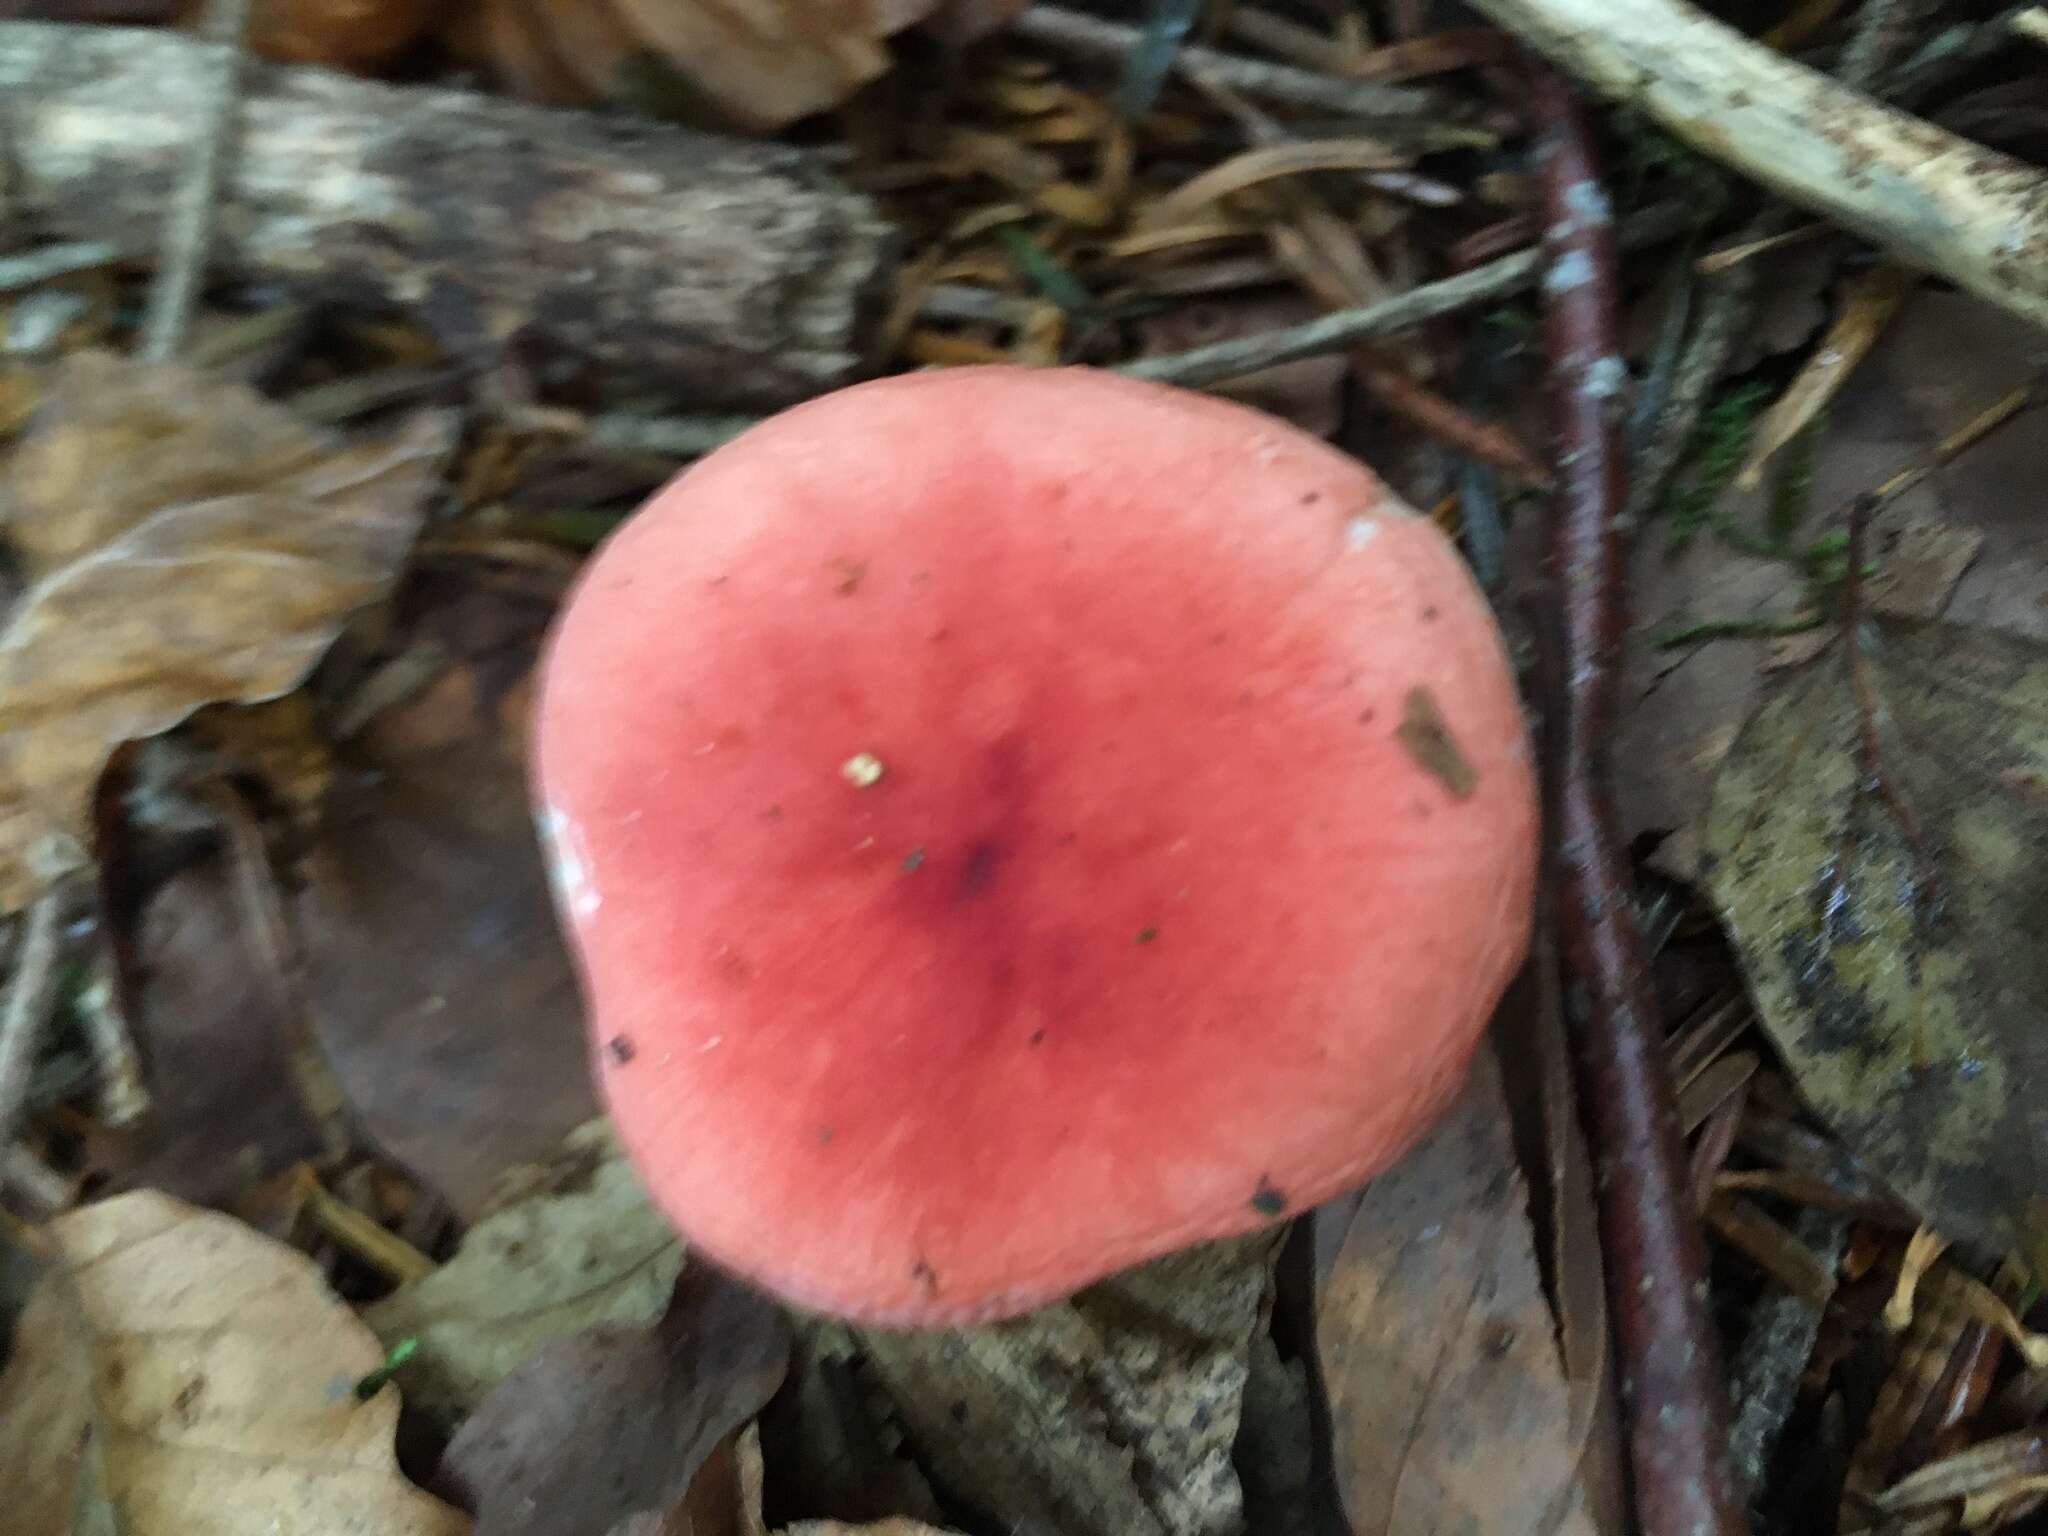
(733, 275)
(1939, 201)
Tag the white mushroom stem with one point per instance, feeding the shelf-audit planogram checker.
(1977, 217)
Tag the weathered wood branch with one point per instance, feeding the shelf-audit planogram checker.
(1976, 217)
(729, 273)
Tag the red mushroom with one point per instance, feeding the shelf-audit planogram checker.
(1015, 823)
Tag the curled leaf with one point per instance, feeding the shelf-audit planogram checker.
(191, 544)
(177, 1372)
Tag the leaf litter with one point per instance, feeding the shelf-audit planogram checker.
(396, 850)
(593, 1428)
(129, 472)
(214, 1025)
(1941, 362)
(1878, 849)
(572, 1244)
(425, 913)
(175, 1372)
(1436, 1334)
(1110, 1414)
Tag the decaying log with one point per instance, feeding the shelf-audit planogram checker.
(731, 274)
(1975, 216)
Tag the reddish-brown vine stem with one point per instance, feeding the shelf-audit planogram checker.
(1671, 1372)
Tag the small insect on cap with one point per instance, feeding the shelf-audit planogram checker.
(1014, 823)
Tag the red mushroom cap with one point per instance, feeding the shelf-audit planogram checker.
(1015, 823)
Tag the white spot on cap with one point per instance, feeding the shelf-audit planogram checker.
(1360, 531)
(863, 770)
(568, 868)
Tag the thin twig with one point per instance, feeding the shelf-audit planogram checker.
(270, 933)
(1336, 271)
(32, 268)
(1058, 27)
(1932, 198)
(1724, 316)
(1883, 27)
(1678, 290)
(31, 993)
(1146, 66)
(338, 1221)
(121, 1088)
(181, 268)
(1672, 1387)
(1342, 329)
(34, 1182)
(2006, 408)
(1490, 442)
(666, 437)
(1731, 304)
(1734, 254)
(1950, 53)
(973, 305)
(343, 400)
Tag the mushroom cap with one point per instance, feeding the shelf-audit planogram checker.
(1014, 823)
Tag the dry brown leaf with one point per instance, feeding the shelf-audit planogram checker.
(1938, 366)
(1793, 283)
(193, 1375)
(192, 544)
(115, 441)
(758, 67)
(1923, 562)
(347, 34)
(1449, 1407)
(724, 1497)
(280, 743)
(1868, 303)
(213, 1019)
(1529, 1031)
(440, 988)
(1930, 1361)
(613, 1421)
